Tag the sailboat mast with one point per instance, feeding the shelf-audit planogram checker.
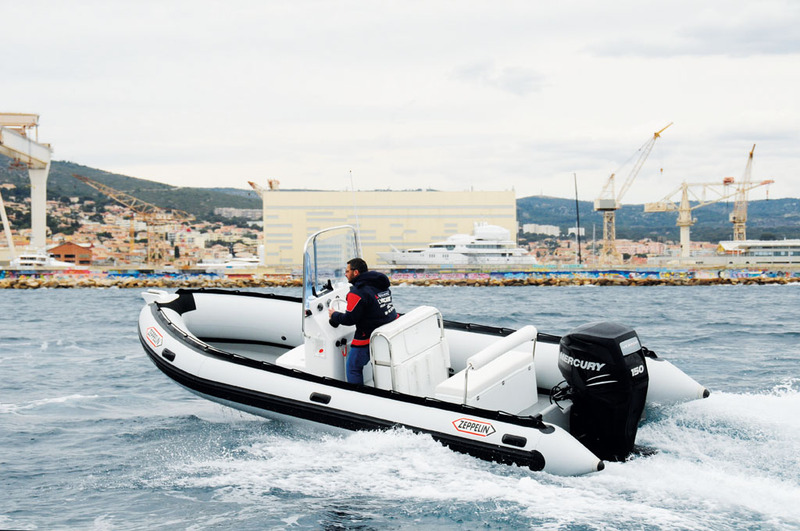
(578, 219)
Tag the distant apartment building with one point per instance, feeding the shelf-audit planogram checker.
(549, 230)
(187, 237)
(645, 247)
(246, 213)
(385, 219)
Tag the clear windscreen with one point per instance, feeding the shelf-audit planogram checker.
(325, 258)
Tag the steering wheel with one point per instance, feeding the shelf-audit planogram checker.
(339, 305)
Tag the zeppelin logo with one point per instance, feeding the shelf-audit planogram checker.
(583, 364)
(154, 337)
(474, 427)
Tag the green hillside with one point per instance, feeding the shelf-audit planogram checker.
(767, 219)
(199, 202)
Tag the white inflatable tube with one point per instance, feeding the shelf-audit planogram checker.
(565, 456)
(668, 384)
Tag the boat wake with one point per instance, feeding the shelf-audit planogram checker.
(731, 452)
(735, 452)
(754, 435)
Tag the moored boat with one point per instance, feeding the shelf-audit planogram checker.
(40, 260)
(488, 246)
(231, 263)
(558, 404)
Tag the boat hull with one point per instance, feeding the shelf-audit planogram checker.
(179, 335)
(276, 392)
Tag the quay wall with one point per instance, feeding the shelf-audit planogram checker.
(662, 277)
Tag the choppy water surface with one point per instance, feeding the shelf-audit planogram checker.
(93, 436)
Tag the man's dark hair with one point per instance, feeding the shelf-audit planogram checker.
(358, 264)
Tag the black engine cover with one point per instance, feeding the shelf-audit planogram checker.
(604, 365)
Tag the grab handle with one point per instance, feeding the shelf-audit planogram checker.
(498, 348)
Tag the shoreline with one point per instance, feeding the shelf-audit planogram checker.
(138, 280)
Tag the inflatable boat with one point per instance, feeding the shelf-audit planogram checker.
(563, 405)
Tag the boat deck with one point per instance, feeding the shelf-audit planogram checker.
(254, 351)
(553, 413)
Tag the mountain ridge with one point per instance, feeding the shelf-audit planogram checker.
(767, 219)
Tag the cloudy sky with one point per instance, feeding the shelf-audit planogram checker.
(451, 95)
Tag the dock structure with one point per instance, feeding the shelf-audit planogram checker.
(21, 279)
(19, 140)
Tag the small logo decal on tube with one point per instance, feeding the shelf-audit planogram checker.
(154, 337)
(474, 427)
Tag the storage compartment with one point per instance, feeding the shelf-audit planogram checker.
(410, 354)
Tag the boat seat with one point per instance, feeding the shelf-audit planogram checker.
(410, 355)
(500, 377)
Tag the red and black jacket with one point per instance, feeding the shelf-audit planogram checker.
(369, 305)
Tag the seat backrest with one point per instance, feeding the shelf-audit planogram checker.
(410, 354)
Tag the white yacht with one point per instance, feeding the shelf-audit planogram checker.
(232, 262)
(760, 252)
(39, 260)
(743, 253)
(488, 245)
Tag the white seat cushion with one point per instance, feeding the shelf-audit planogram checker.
(507, 383)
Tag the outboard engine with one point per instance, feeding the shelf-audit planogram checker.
(605, 369)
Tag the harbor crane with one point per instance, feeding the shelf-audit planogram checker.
(274, 185)
(684, 208)
(155, 217)
(608, 202)
(739, 215)
(16, 130)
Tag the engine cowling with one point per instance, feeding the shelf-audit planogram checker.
(603, 364)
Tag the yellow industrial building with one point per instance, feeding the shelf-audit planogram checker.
(385, 219)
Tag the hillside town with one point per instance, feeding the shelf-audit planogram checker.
(111, 236)
(398, 229)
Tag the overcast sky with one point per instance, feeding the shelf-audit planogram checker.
(410, 94)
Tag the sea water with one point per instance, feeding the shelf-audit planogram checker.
(93, 436)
